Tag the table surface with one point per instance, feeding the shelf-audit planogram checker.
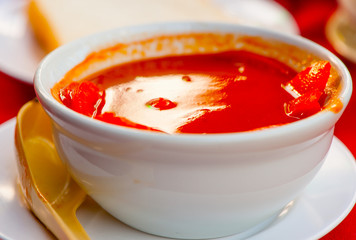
(311, 17)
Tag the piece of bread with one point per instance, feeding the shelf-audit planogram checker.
(56, 22)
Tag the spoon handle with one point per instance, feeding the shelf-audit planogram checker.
(66, 212)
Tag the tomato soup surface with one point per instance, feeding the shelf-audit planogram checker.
(224, 92)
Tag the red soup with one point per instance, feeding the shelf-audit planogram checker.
(210, 93)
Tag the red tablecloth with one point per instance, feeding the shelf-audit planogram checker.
(311, 17)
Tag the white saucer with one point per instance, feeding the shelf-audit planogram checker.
(20, 53)
(321, 207)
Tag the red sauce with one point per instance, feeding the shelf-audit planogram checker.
(212, 93)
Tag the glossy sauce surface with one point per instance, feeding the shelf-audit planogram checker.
(212, 93)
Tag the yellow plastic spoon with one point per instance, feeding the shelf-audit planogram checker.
(48, 189)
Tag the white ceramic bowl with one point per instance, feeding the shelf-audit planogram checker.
(190, 186)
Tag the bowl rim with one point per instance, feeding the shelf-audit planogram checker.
(324, 117)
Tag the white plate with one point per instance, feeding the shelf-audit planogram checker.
(321, 207)
(20, 53)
